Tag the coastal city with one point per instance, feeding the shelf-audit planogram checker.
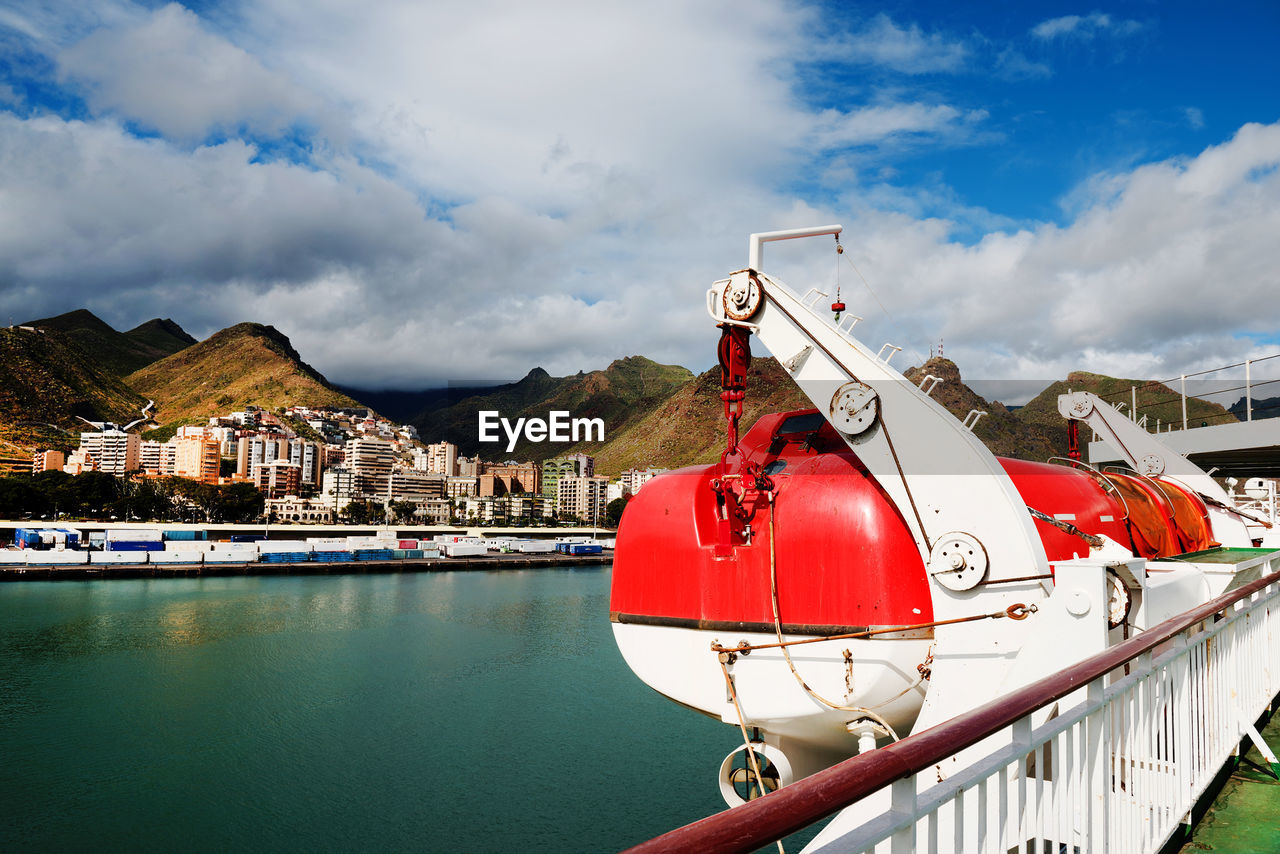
(327, 466)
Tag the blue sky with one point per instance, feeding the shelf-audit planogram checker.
(418, 192)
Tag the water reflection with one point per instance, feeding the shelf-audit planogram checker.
(468, 711)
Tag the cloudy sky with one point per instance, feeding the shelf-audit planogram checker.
(419, 192)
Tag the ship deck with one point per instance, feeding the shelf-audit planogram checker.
(1244, 816)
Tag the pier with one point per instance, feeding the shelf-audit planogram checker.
(83, 572)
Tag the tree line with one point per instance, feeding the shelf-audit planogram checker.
(51, 495)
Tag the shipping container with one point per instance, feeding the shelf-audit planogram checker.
(135, 546)
(286, 557)
(46, 538)
(185, 536)
(176, 556)
(335, 556)
(535, 547)
(463, 549)
(293, 546)
(247, 538)
(134, 535)
(584, 549)
(118, 557)
(66, 557)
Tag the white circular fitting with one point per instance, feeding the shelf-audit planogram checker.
(854, 408)
(737, 777)
(958, 561)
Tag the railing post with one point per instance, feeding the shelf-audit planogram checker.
(1248, 392)
(1097, 782)
(902, 797)
(1184, 401)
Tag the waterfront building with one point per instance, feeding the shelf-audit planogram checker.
(633, 479)
(370, 460)
(416, 486)
(442, 458)
(308, 456)
(113, 451)
(48, 461)
(338, 486)
(579, 465)
(277, 479)
(516, 477)
(306, 511)
(436, 511)
(197, 458)
(582, 497)
(461, 487)
(80, 461)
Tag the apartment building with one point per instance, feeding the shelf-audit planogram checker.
(338, 487)
(416, 486)
(48, 461)
(197, 458)
(582, 497)
(516, 477)
(259, 448)
(277, 478)
(579, 465)
(370, 460)
(442, 458)
(113, 451)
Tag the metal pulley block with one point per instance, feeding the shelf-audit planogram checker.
(958, 561)
(854, 408)
(742, 296)
(1152, 465)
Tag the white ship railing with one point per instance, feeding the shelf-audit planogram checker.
(1109, 755)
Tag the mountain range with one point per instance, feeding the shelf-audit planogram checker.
(58, 372)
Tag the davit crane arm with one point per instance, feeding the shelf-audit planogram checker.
(1150, 457)
(971, 526)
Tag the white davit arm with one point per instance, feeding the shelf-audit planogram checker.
(969, 522)
(1150, 457)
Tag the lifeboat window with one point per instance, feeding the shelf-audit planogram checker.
(775, 467)
(799, 426)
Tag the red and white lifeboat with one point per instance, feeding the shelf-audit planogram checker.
(831, 555)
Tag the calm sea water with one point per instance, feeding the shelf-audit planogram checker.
(457, 711)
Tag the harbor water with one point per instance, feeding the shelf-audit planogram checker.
(451, 711)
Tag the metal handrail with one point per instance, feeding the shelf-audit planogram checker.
(798, 805)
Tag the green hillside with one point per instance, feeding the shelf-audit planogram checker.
(1000, 430)
(47, 379)
(118, 353)
(245, 364)
(620, 395)
(1155, 400)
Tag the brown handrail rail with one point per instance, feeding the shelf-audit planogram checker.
(795, 807)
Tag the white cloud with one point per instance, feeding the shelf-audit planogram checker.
(835, 129)
(169, 73)
(1084, 27)
(1168, 268)
(905, 49)
(480, 200)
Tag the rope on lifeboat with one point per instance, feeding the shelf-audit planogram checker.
(786, 653)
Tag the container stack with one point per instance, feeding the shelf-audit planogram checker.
(285, 551)
(134, 540)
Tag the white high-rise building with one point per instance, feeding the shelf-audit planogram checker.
(113, 451)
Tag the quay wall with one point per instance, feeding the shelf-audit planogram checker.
(82, 572)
